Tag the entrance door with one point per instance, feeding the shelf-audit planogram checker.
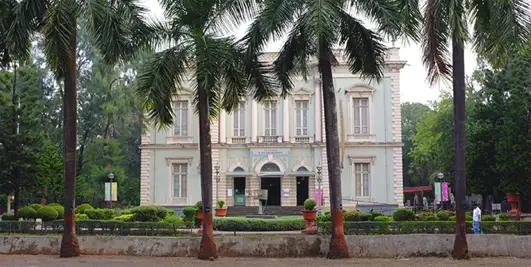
(302, 190)
(272, 184)
(239, 191)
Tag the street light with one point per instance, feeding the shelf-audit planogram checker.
(440, 175)
(217, 180)
(111, 177)
(319, 180)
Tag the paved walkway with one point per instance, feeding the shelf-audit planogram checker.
(92, 261)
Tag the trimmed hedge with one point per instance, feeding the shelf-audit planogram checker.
(259, 225)
(81, 217)
(54, 204)
(60, 211)
(403, 215)
(100, 214)
(26, 213)
(149, 213)
(426, 227)
(82, 208)
(47, 213)
(36, 207)
(9, 217)
(124, 218)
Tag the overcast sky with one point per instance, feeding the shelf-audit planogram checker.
(413, 85)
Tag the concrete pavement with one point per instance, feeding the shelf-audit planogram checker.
(118, 261)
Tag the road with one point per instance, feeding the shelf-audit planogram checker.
(119, 261)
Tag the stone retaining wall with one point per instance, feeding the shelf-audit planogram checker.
(276, 246)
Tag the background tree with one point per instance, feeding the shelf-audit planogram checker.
(57, 20)
(314, 29)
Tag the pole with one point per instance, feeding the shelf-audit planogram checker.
(111, 195)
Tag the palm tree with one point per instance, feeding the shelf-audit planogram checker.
(220, 77)
(500, 28)
(118, 30)
(315, 27)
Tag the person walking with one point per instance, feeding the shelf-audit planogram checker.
(476, 218)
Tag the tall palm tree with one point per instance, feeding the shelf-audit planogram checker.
(213, 65)
(500, 28)
(118, 30)
(315, 28)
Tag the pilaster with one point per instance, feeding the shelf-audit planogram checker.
(145, 160)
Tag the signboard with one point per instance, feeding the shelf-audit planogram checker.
(114, 191)
(386, 209)
(437, 192)
(270, 151)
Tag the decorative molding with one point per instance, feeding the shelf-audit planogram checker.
(360, 89)
(303, 139)
(239, 162)
(171, 160)
(270, 159)
(179, 139)
(305, 162)
(369, 94)
(301, 94)
(362, 159)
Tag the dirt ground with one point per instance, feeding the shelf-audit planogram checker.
(116, 261)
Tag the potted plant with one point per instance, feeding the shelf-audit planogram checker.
(309, 213)
(199, 213)
(220, 211)
(513, 199)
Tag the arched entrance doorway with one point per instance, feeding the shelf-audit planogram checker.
(239, 188)
(270, 181)
(303, 186)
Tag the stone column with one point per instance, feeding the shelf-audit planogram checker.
(222, 127)
(254, 121)
(285, 120)
(317, 117)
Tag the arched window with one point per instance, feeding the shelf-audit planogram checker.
(238, 169)
(270, 167)
(302, 169)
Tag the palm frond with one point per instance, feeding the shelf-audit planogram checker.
(229, 15)
(364, 48)
(323, 20)
(28, 17)
(435, 40)
(410, 18)
(500, 28)
(385, 13)
(159, 80)
(457, 21)
(7, 17)
(60, 35)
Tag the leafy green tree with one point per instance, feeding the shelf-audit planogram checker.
(220, 77)
(445, 22)
(50, 176)
(118, 30)
(315, 29)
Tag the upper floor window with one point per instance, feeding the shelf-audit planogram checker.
(179, 174)
(270, 110)
(301, 121)
(180, 124)
(361, 116)
(239, 120)
(362, 179)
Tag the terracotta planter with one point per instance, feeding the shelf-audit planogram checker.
(309, 216)
(221, 212)
(200, 218)
(513, 200)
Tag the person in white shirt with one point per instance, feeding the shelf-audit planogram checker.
(476, 218)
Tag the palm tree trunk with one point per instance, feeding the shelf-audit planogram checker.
(338, 245)
(458, 57)
(69, 243)
(207, 250)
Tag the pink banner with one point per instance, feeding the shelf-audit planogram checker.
(444, 190)
(319, 196)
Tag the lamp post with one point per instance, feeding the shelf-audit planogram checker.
(319, 180)
(111, 177)
(440, 176)
(217, 180)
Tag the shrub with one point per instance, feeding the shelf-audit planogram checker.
(126, 212)
(83, 207)
(173, 219)
(504, 217)
(170, 212)
(81, 217)
(430, 218)
(100, 214)
(488, 218)
(376, 213)
(54, 204)
(326, 217)
(443, 215)
(36, 207)
(47, 213)
(149, 213)
(189, 213)
(124, 218)
(382, 219)
(452, 218)
(348, 216)
(9, 217)
(26, 213)
(364, 216)
(60, 211)
(468, 218)
(220, 203)
(403, 215)
(252, 224)
(199, 205)
(309, 204)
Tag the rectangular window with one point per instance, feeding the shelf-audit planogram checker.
(270, 110)
(239, 120)
(180, 123)
(361, 116)
(362, 179)
(301, 113)
(179, 173)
